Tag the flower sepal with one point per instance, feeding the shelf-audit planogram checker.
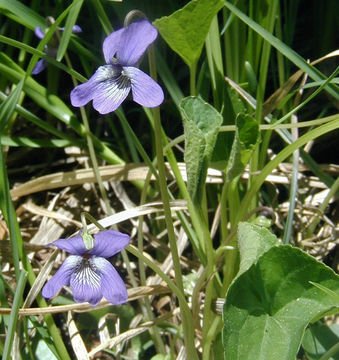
(88, 240)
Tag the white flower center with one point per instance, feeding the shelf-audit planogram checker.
(86, 273)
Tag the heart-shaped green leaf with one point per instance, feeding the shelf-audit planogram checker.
(253, 242)
(269, 305)
(186, 29)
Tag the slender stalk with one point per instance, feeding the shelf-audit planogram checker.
(165, 199)
(193, 71)
(187, 315)
(333, 190)
(145, 303)
(163, 182)
(211, 334)
(14, 315)
(185, 310)
(90, 145)
(329, 353)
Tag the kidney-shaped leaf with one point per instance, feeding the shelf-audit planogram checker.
(268, 306)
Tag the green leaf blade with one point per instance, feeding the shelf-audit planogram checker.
(269, 305)
(201, 126)
(284, 49)
(67, 33)
(186, 29)
(253, 242)
(246, 138)
(21, 13)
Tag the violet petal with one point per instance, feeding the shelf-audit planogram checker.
(84, 93)
(111, 45)
(86, 282)
(130, 43)
(39, 33)
(111, 92)
(145, 90)
(108, 243)
(39, 66)
(106, 87)
(112, 286)
(76, 29)
(61, 277)
(73, 245)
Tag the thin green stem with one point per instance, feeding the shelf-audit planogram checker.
(187, 315)
(185, 310)
(211, 334)
(163, 182)
(332, 351)
(145, 303)
(90, 145)
(193, 71)
(165, 199)
(333, 190)
(95, 161)
(14, 315)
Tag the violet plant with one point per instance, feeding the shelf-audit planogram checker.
(50, 49)
(200, 251)
(88, 272)
(111, 83)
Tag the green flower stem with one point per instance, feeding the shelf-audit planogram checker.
(163, 183)
(329, 353)
(91, 150)
(193, 71)
(145, 303)
(212, 332)
(208, 314)
(185, 310)
(95, 162)
(165, 199)
(334, 189)
(187, 315)
(14, 315)
(228, 269)
(48, 318)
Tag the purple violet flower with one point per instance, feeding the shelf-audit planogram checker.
(111, 83)
(50, 50)
(88, 272)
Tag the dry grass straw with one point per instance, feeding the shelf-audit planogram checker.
(133, 172)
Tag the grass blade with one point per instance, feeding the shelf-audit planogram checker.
(67, 33)
(14, 315)
(21, 13)
(7, 107)
(285, 50)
